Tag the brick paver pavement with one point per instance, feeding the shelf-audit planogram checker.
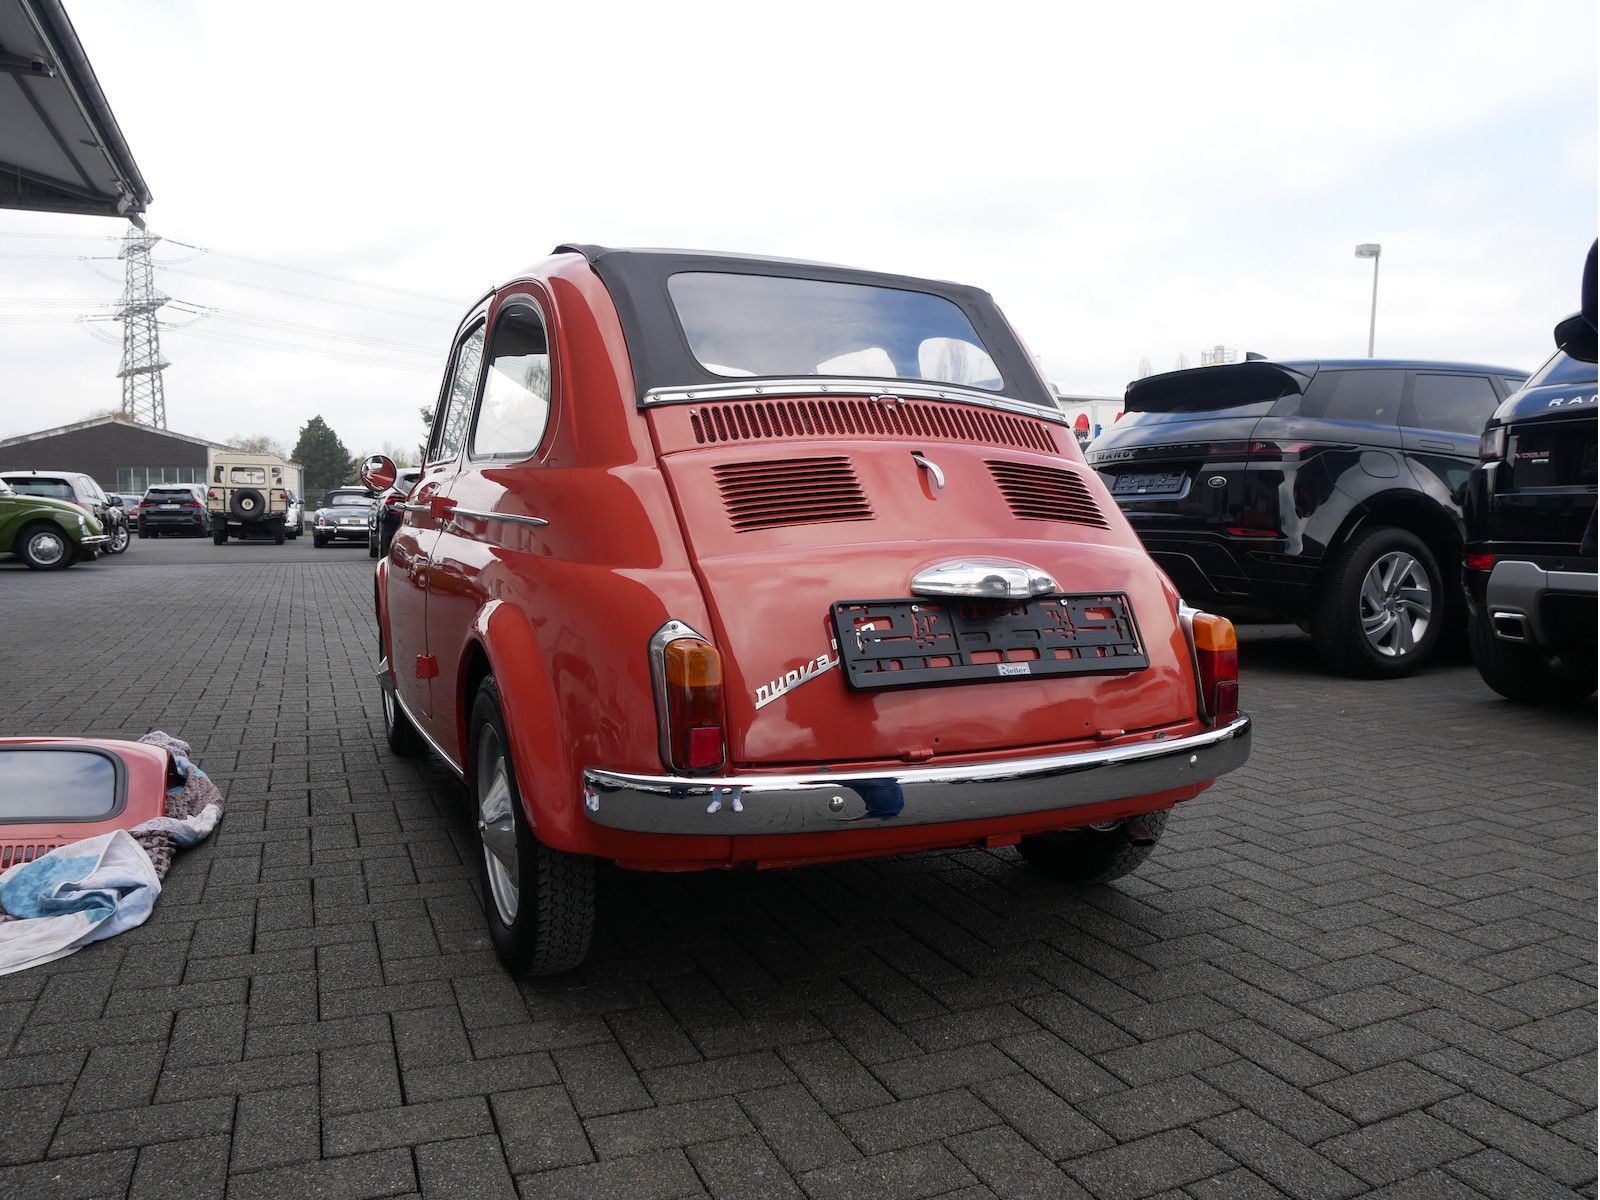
(1365, 963)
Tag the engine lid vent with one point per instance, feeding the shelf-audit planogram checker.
(792, 491)
(1037, 493)
(767, 420)
(12, 853)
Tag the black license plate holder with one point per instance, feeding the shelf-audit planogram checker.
(905, 643)
(1153, 483)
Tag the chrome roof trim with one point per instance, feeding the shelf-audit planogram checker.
(882, 390)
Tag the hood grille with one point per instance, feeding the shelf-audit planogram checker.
(13, 853)
(791, 491)
(767, 420)
(1038, 493)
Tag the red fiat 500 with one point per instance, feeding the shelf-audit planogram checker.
(722, 561)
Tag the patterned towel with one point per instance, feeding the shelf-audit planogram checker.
(193, 810)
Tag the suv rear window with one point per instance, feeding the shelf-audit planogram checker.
(247, 474)
(764, 325)
(1371, 396)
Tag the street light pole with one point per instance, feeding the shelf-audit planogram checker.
(1371, 250)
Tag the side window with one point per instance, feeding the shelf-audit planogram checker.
(450, 426)
(1512, 383)
(516, 388)
(1450, 403)
(1369, 396)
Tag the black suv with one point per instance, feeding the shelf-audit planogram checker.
(1324, 493)
(1530, 560)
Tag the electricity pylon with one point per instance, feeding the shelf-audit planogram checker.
(143, 397)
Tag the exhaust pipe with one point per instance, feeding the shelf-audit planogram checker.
(1510, 626)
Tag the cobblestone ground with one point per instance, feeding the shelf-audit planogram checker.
(1365, 963)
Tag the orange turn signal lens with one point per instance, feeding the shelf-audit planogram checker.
(1216, 653)
(691, 679)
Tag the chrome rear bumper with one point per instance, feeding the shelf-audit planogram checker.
(738, 805)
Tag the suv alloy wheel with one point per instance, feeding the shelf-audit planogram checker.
(1381, 606)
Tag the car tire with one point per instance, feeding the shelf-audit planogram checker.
(372, 547)
(121, 540)
(278, 535)
(539, 903)
(45, 546)
(219, 537)
(1524, 673)
(398, 731)
(1089, 855)
(318, 540)
(1381, 607)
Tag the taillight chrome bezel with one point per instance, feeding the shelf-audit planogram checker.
(1207, 698)
(674, 631)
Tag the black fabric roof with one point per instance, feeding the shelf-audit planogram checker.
(637, 280)
(60, 147)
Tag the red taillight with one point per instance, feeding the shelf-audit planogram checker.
(211, 493)
(1480, 561)
(1247, 531)
(1259, 450)
(1216, 652)
(690, 678)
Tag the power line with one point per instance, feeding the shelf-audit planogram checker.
(262, 262)
(319, 351)
(261, 287)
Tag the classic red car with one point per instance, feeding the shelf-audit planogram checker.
(723, 561)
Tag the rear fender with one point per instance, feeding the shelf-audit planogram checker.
(507, 642)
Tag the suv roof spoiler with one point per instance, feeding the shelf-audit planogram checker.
(1213, 387)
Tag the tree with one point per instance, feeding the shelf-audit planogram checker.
(402, 456)
(261, 443)
(322, 456)
(1145, 369)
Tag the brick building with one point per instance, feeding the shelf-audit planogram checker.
(120, 455)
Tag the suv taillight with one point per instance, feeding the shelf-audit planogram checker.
(1216, 653)
(1492, 444)
(687, 671)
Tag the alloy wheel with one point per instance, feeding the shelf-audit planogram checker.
(497, 826)
(1396, 604)
(119, 540)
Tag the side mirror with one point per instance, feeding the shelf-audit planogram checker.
(1576, 335)
(379, 472)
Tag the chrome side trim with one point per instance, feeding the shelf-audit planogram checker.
(882, 390)
(386, 682)
(737, 805)
(536, 522)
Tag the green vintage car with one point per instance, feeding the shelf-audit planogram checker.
(46, 534)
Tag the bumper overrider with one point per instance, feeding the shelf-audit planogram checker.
(817, 803)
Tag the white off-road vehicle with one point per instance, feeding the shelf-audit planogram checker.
(246, 497)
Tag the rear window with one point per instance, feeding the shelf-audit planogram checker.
(48, 784)
(169, 494)
(349, 500)
(1371, 397)
(1563, 368)
(247, 474)
(762, 325)
(55, 489)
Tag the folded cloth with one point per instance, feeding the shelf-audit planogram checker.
(192, 809)
(74, 895)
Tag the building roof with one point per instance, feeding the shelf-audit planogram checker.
(60, 147)
(112, 419)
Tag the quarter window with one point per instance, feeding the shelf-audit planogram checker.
(1372, 397)
(516, 388)
(1450, 403)
(450, 426)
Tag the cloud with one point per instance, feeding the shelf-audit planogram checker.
(1127, 181)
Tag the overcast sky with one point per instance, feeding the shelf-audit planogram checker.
(1127, 180)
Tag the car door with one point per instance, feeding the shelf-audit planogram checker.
(1441, 416)
(411, 557)
(495, 497)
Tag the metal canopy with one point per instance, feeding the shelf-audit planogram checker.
(60, 148)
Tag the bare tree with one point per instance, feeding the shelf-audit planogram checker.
(1145, 369)
(261, 443)
(1182, 364)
